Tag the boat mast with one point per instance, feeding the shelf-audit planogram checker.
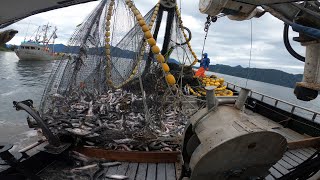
(44, 41)
(53, 36)
(37, 37)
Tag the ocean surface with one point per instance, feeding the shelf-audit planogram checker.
(21, 80)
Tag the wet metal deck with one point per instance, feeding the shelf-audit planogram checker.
(291, 158)
(145, 171)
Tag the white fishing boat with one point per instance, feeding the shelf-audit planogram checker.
(36, 49)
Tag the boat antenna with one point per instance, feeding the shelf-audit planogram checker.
(26, 31)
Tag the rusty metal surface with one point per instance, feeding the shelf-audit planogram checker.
(313, 86)
(131, 156)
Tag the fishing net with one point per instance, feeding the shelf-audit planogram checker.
(112, 92)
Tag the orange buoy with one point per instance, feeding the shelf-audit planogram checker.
(170, 79)
(145, 28)
(155, 49)
(152, 42)
(160, 58)
(142, 22)
(165, 67)
(139, 17)
(148, 34)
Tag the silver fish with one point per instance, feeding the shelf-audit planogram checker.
(78, 131)
(119, 177)
(84, 168)
(56, 95)
(90, 111)
(125, 147)
(89, 124)
(93, 135)
(110, 164)
(123, 141)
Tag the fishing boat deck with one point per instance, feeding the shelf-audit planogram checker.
(170, 171)
(134, 171)
(143, 171)
(291, 158)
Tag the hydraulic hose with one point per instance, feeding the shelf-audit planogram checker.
(189, 37)
(288, 45)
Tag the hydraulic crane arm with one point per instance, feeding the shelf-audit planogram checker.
(302, 16)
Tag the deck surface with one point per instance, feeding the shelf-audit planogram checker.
(167, 171)
(291, 158)
(145, 171)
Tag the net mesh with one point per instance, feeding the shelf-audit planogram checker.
(81, 99)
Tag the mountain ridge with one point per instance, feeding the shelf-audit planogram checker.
(272, 76)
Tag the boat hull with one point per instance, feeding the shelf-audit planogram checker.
(27, 55)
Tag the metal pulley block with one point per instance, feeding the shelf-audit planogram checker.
(168, 3)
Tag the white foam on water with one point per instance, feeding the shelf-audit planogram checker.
(24, 139)
(31, 133)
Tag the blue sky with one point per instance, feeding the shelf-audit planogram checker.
(228, 41)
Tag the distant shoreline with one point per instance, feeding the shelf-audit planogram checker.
(271, 76)
(6, 49)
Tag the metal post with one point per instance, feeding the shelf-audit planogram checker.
(311, 66)
(243, 95)
(308, 89)
(167, 37)
(155, 36)
(210, 96)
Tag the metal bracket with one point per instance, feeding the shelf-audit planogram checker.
(56, 149)
(168, 3)
(27, 105)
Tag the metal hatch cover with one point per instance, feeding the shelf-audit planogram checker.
(249, 155)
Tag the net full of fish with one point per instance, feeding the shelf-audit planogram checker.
(116, 120)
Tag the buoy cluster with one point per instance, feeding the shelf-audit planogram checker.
(211, 81)
(220, 90)
(186, 37)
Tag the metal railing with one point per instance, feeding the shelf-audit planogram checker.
(292, 106)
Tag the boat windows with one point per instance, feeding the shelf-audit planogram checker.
(32, 47)
(27, 47)
(22, 47)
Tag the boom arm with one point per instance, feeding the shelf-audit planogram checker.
(303, 17)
